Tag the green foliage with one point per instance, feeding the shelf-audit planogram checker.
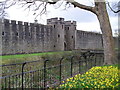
(96, 77)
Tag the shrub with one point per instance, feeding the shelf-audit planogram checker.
(96, 77)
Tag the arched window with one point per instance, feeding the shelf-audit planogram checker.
(68, 28)
(65, 46)
(72, 36)
(54, 26)
(58, 35)
(3, 33)
(16, 34)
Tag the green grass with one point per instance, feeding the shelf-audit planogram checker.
(26, 55)
(7, 59)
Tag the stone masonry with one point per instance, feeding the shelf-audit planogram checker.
(58, 35)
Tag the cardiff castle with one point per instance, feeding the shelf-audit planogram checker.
(58, 35)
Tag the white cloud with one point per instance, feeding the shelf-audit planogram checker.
(114, 22)
(85, 20)
(90, 26)
(16, 13)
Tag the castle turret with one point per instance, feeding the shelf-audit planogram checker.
(58, 28)
(64, 33)
(70, 27)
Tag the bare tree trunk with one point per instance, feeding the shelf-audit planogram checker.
(108, 41)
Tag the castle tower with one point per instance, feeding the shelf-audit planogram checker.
(70, 27)
(58, 28)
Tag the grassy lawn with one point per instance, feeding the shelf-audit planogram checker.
(7, 59)
(96, 77)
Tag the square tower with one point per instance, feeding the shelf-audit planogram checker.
(64, 33)
(70, 27)
(58, 30)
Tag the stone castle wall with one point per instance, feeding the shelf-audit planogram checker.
(23, 37)
(57, 35)
(88, 40)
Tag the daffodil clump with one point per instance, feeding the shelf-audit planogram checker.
(96, 77)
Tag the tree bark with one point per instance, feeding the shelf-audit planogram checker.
(108, 41)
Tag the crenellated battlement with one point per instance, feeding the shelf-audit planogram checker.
(18, 22)
(57, 35)
(61, 21)
(70, 22)
(23, 37)
(55, 21)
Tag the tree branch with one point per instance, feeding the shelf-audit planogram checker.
(88, 8)
(112, 9)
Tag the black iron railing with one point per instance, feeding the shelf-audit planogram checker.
(48, 73)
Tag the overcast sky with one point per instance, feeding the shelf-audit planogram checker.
(86, 20)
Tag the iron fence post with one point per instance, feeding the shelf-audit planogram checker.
(60, 70)
(71, 65)
(103, 58)
(85, 57)
(45, 73)
(23, 75)
(100, 60)
(79, 64)
(92, 60)
(95, 60)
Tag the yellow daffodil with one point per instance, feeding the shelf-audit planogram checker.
(96, 77)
